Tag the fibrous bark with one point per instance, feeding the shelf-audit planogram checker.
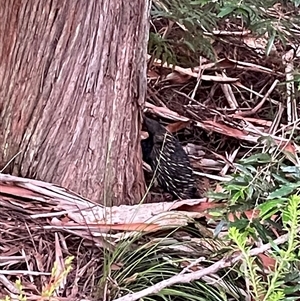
(72, 83)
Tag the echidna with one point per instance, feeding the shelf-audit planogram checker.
(168, 160)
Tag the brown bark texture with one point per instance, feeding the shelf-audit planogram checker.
(72, 84)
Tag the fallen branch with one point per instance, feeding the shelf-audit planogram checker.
(187, 278)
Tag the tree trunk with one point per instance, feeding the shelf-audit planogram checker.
(72, 84)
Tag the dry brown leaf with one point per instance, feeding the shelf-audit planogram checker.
(177, 78)
(177, 126)
(250, 214)
(268, 262)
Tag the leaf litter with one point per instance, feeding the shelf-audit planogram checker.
(220, 108)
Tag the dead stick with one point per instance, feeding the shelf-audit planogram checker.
(187, 278)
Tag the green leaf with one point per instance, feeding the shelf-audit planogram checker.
(250, 192)
(280, 179)
(235, 186)
(217, 195)
(238, 195)
(283, 191)
(257, 158)
(190, 46)
(225, 11)
(269, 208)
(240, 224)
(245, 169)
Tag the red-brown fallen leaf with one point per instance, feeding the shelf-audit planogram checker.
(286, 146)
(219, 188)
(165, 112)
(116, 266)
(268, 262)
(220, 64)
(262, 122)
(224, 129)
(16, 191)
(239, 134)
(65, 219)
(177, 126)
(201, 207)
(250, 214)
(152, 73)
(178, 78)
